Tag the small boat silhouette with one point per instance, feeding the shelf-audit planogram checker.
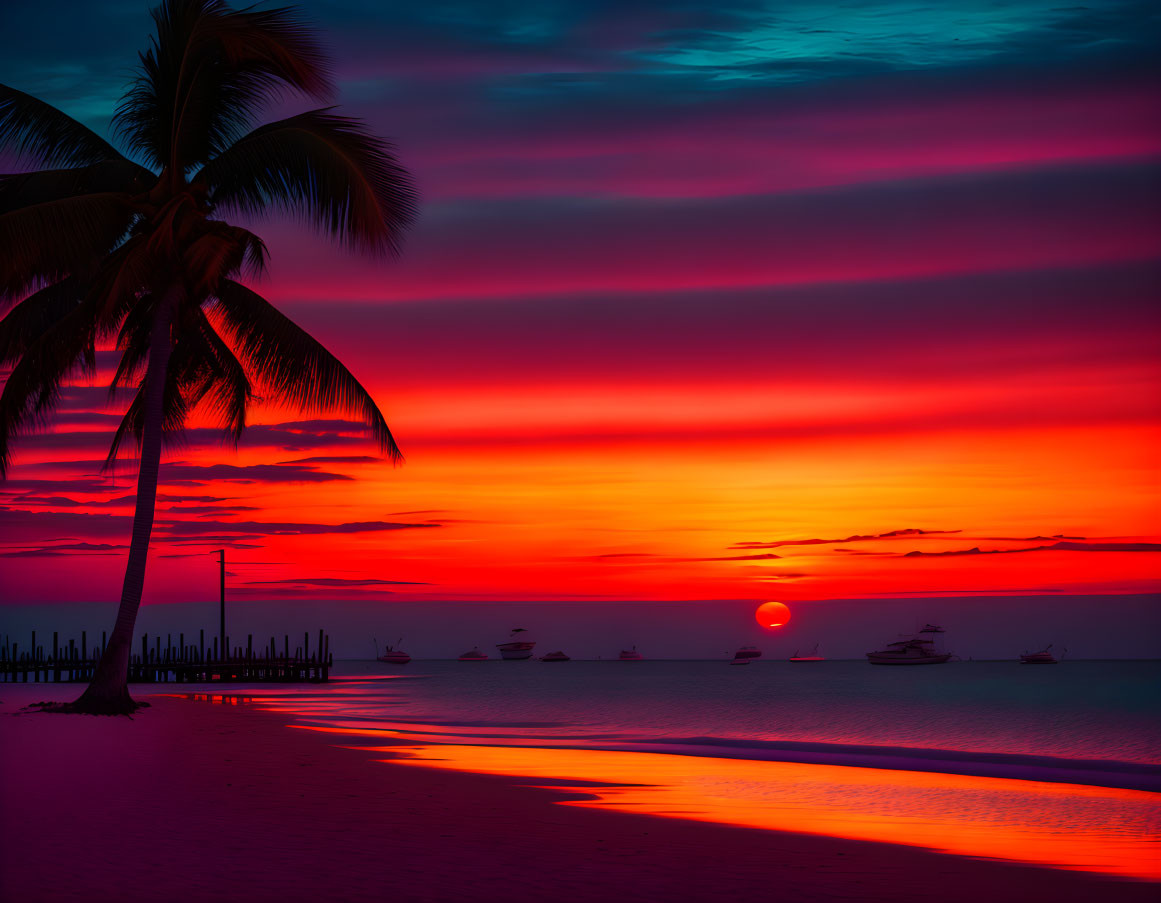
(1043, 657)
(813, 657)
(916, 650)
(517, 649)
(393, 655)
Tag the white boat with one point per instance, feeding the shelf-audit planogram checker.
(1043, 657)
(555, 657)
(812, 657)
(393, 655)
(517, 649)
(916, 650)
(746, 654)
(630, 655)
(475, 655)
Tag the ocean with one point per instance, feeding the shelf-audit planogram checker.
(1053, 765)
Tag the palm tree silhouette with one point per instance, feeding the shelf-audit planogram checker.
(99, 249)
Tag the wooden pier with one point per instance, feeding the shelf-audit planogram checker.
(180, 663)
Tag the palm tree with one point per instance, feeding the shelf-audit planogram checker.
(100, 249)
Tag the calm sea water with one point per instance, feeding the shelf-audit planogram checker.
(1055, 765)
(1074, 710)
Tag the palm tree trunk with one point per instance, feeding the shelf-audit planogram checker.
(108, 693)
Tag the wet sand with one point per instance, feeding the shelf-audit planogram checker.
(196, 802)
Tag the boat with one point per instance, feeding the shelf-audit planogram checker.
(555, 657)
(813, 657)
(474, 655)
(916, 650)
(517, 649)
(744, 655)
(630, 655)
(1043, 657)
(393, 655)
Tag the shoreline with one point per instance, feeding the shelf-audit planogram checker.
(220, 803)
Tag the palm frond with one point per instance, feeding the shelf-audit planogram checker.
(201, 368)
(44, 136)
(29, 188)
(175, 414)
(230, 391)
(46, 242)
(327, 168)
(34, 316)
(296, 369)
(33, 387)
(209, 72)
(220, 252)
(276, 46)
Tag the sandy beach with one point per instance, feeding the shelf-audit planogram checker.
(196, 802)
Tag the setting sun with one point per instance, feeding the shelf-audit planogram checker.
(772, 614)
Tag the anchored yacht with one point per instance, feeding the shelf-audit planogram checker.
(744, 655)
(916, 650)
(393, 655)
(517, 648)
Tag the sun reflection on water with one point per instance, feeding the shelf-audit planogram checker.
(1069, 826)
(1063, 825)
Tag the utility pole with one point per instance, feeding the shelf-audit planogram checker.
(222, 625)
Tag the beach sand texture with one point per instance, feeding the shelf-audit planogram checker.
(196, 802)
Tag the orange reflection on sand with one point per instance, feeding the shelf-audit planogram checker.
(1066, 826)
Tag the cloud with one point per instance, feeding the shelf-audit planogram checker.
(44, 526)
(218, 543)
(894, 534)
(312, 593)
(334, 581)
(1067, 216)
(97, 486)
(197, 474)
(209, 509)
(1019, 591)
(256, 528)
(1055, 547)
(765, 557)
(65, 549)
(50, 501)
(15, 522)
(336, 459)
(1031, 538)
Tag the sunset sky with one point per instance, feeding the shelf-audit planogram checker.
(784, 300)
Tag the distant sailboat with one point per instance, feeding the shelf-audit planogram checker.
(813, 657)
(630, 655)
(474, 655)
(745, 655)
(1043, 657)
(555, 657)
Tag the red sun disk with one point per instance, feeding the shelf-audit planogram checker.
(772, 614)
